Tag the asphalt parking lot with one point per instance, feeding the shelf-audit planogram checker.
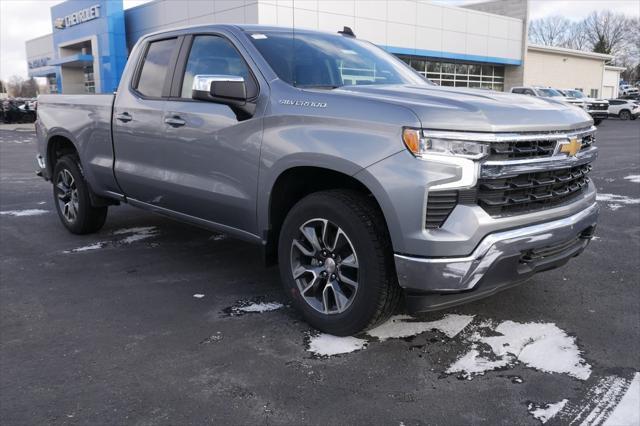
(146, 323)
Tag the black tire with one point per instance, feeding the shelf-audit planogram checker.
(634, 117)
(624, 115)
(87, 218)
(359, 217)
(597, 121)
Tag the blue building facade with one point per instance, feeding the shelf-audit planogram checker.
(89, 47)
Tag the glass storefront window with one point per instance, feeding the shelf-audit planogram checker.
(459, 74)
(89, 82)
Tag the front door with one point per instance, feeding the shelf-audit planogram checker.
(211, 157)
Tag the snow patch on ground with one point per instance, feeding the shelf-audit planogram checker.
(137, 234)
(472, 363)
(27, 212)
(544, 414)
(633, 178)
(542, 346)
(400, 326)
(616, 201)
(627, 412)
(601, 402)
(198, 295)
(94, 246)
(261, 307)
(329, 345)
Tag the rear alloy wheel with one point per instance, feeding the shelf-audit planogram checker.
(624, 115)
(73, 202)
(336, 262)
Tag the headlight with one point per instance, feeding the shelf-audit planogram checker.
(422, 143)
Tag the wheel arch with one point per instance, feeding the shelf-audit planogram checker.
(295, 183)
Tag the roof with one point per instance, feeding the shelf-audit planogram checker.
(612, 68)
(570, 52)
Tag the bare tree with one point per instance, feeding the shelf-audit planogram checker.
(29, 88)
(606, 31)
(14, 86)
(550, 31)
(577, 37)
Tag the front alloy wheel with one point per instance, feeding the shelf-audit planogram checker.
(324, 265)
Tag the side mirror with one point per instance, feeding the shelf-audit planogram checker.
(224, 89)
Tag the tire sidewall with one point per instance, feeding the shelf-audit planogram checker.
(624, 115)
(371, 275)
(84, 202)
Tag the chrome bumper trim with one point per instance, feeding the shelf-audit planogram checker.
(507, 137)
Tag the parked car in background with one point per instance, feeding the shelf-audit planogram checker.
(627, 89)
(548, 92)
(598, 109)
(624, 109)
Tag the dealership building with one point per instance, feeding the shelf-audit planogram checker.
(481, 45)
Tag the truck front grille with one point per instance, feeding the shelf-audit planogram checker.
(519, 150)
(601, 107)
(532, 191)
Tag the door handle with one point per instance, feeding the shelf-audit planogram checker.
(124, 117)
(175, 121)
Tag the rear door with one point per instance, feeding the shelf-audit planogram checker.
(211, 161)
(138, 128)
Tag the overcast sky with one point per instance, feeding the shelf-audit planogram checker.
(21, 20)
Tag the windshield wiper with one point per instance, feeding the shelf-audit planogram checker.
(317, 86)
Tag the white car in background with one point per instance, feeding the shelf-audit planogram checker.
(625, 109)
(597, 108)
(548, 92)
(628, 90)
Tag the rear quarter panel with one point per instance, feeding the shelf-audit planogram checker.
(86, 121)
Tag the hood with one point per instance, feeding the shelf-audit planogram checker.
(449, 108)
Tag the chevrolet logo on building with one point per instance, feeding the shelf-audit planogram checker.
(59, 23)
(572, 147)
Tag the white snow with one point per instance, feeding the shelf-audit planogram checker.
(260, 307)
(472, 363)
(616, 201)
(400, 326)
(627, 412)
(601, 400)
(548, 412)
(138, 233)
(94, 246)
(27, 212)
(328, 345)
(198, 295)
(542, 346)
(633, 178)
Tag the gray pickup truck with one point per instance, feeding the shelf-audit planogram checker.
(361, 179)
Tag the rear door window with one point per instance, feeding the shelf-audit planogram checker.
(155, 66)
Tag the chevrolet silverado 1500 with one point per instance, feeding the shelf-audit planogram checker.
(360, 178)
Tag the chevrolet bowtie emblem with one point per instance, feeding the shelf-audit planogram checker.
(572, 147)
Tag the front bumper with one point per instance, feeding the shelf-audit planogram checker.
(501, 260)
(599, 113)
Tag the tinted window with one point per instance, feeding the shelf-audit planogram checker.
(520, 91)
(154, 67)
(213, 55)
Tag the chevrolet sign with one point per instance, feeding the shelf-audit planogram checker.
(78, 17)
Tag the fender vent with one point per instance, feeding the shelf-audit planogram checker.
(440, 204)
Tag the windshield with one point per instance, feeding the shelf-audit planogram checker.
(549, 93)
(575, 93)
(317, 60)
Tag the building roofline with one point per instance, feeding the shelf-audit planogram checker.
(614, 68)
(572, 52)
(38, 38)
